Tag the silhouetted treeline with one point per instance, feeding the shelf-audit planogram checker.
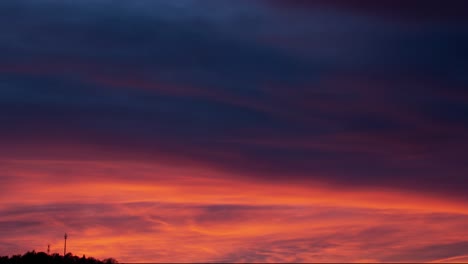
(41, 257)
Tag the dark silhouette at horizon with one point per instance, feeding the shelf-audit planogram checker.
(55, 258)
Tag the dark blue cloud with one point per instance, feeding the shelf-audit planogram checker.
(334, 96)
(110, 34)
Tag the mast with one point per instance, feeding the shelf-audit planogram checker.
(65, 245)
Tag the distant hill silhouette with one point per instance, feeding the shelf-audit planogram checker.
(31, 257)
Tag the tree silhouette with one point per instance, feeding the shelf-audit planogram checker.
(31, 257)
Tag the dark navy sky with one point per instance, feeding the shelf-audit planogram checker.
(361, 93)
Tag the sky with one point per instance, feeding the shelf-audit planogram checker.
(235, 130)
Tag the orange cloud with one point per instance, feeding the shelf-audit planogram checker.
(139, 211)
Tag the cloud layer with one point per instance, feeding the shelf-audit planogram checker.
(252, 130)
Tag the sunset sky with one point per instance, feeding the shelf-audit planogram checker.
(235, 130)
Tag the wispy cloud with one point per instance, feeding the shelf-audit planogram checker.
(235, 130)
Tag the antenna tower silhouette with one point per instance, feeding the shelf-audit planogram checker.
(65, 246)
(48, 249)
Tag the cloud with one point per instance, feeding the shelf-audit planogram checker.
(211, 122)
(332, 137)
(236, 232)
(433, 252)
(454, 11)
